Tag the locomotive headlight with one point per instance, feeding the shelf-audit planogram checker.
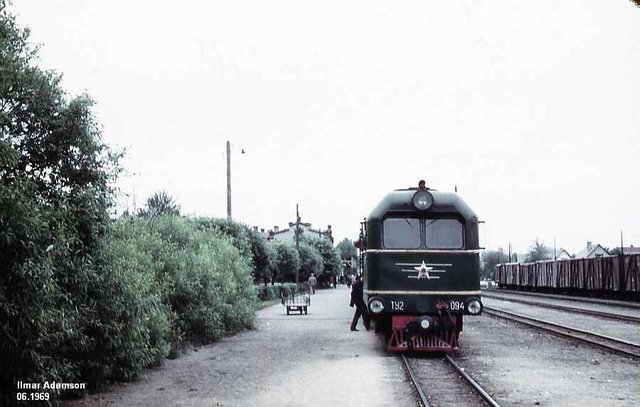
(425, 322)
(474, 306)
(376, 305)
(422, 200)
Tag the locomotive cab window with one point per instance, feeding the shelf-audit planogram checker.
(401, 233)
(444, 234)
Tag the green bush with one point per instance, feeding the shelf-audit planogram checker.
(274, 291)
(151, 287)
(249, 242)
(131, 323)
(201, 278)
(47, 259)
(164, 283)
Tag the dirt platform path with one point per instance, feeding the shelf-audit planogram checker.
(296, 360)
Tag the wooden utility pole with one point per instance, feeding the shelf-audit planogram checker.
(228, 180)
(297, 240)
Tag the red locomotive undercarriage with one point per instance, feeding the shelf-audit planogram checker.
(442, 333)
(406, 334)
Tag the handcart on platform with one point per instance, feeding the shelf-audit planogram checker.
(298, 300)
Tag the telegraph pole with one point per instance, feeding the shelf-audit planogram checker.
(228, 180)
(297, 240)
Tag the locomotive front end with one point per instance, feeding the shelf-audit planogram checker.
(421, 268)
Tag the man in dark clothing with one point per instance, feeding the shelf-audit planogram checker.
(361, 307)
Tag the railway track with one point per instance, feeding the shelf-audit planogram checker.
(593, 338)
(618, 317)
(443, 385)
(603, 301)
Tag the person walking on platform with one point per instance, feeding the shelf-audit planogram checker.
(361, 307)
(312, 283)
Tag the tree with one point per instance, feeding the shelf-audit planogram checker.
(263, 256)
(331, 263)
(158, 204)
(286, 263)
(348, 252)
(491, 258)
(310, 262)
(538, 251)
(347, 249)
(616, 251)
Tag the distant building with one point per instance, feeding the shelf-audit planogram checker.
(562, 254)
(592, 251)
(629, 250)
(288, 234)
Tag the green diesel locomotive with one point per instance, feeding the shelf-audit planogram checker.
(420, 262)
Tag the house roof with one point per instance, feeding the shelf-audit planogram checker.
(588, 251)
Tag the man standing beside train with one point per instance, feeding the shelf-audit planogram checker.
(361, 307)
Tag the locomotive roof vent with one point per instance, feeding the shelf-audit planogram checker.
(422, 199)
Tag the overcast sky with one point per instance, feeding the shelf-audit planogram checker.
(532, 109)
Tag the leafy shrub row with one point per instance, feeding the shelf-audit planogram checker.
(151, 287)
(165, 282)
(274, 291)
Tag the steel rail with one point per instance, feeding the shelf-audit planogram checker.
(569, 332)
(609, 315)
(479, 390)
(423, 397)
(613, 303)
(482, 392)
